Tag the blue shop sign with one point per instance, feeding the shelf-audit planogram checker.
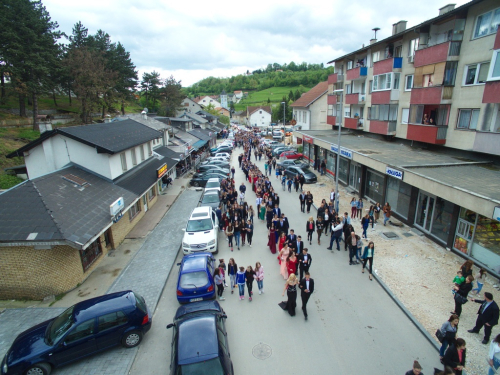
(343, 151)
(394, 173)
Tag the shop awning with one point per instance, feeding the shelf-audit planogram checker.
(199, 144)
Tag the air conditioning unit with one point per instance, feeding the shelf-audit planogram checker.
(410, 58)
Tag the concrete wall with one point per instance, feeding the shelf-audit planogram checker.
(261, 119)
(318, 113)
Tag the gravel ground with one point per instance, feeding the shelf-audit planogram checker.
(420, 274)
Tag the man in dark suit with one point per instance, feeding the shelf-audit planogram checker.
(302, 199)
(487, 316)
(292, 237)
(306, 286)
(277, 211)
(287, 224)
(297, 246)
(305, 261)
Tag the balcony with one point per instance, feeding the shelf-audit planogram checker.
(387, 65)
(383, 127)
(353, 123)
(437, 53)
(355, 98)
(427, 133)
(331, 99)
(357, 73)
(331, 120)
(487, 142)
(491, 92)
(431, 94)
(381, 97)
(332, 78)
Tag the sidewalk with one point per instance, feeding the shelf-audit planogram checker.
(418, 271)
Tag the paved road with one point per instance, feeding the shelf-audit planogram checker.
(353, 326)
(146, 274)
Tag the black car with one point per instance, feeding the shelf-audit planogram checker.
(84, 329)
(309, 176)
(227, 149)
(211, 168)
(292, 163)
(218, 163)
(199, 340)
(201, 179)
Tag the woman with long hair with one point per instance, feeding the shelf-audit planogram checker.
(354, 208)
(259, 276)
(319, 228)
(310, 226)
(449, 331)
(272, 239)
(230, 234)
(455, 356)
(462, 290)
(467, 268)
(367, 257)
(494, 356)
(232, 269)
(291, 291)
(309, 201)
(283, 256)
(282, 240)
(291, 263)
(219, 283)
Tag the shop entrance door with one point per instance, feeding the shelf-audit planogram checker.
(145, 201)
(425, 209)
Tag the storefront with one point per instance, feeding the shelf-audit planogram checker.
(308, 150)
(479, 237)
(355, 176)
(343, 170)
(434, 216)
(397, 192)
(331, 162)
(374, 186)
(345, 157)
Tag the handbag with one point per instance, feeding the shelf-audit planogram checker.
(460, 299)
(440, 335)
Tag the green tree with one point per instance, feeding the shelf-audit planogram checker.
(171, 97)
(290, 96)
(150, 88)
(28, 46)
(297, 95)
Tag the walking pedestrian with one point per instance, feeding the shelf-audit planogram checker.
(319, 228)
(289, 184)
(310, 229)
(232, 270)
(222, 267)
(455, 356)
(487, 316)
(359, 208)
(416, 370)
(292, 262)
(449, 332)
(377, 210)
(305, 261)
(219, 283)
(480, 277)
(259, 276)
(291, 291)
(367, 257)
(240, 280)
(249, 277)
(283, 256)
(306, 286)
(309, 201)
(336, 234)
(354, 208)
(461, 293)
(302, 200)
(296, 182)
(365, 222)
(249, 232)
(230, 234)
(494, 356)
(233, 171)
(387, 212)
(352, 240)
(237, 233)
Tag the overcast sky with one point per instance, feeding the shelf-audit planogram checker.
(196, 39)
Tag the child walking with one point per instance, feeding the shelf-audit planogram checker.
(222, 267)
(240, 280)
(259, 276)
(480, 277)
(233, 269)
(249, 277)
(219, 282)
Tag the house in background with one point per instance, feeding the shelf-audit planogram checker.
(204, 101)
(189, 105)
(310, 109)
(259, 116)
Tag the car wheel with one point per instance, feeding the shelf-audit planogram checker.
(132, 339)
(196, 184)
(39, 369)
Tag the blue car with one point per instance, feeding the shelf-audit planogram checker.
(199, 340)
(86, 328)
(196, 281)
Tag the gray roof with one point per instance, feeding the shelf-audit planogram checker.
(152, 122)
(195, 117)
(200, 134)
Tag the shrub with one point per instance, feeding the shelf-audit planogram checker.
(8, 181)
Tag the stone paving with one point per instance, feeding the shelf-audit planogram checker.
(146, 274)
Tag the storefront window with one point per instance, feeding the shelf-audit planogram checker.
(442, 217)
(306, 150)
(486, 241)
(398, 195)
(465, 229)
(374, 186)
(355, 176)
(343, 170)
(330, 161)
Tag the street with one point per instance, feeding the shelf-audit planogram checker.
(353, 326)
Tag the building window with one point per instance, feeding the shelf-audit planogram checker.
(382, 82)
(151, 193)
(134, 156)
(134, 210)
(405, 114)
(396, 81)
(468, 118)
(90, 254)
(487, 23)
(494, 72)
(349, 64)
(409, 82)
(450, 73)
(123, 159)
(476, 73)
(141, 151)
(375, 57)
(149, 149)
(370, 85)
(383, 112)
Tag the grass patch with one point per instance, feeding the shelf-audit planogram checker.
(57, 298)
(274, 94)
(7, 181)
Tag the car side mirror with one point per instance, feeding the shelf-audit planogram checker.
(170, 325)
(183, 229)
(178, 264)
(224, 316)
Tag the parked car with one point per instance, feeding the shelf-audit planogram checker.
(201, 231)
(86, 328)
(218, 163)
(277, 135)
(199, 340)
(292, 163)
(212, 184)
(278, 150)
(195, 281)
(220, 158)
(203, 168)
(225, 149)
(309, 176)
(201, 179)
(291, 155)
(223, 154)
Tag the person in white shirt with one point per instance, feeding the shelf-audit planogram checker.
(494, 356)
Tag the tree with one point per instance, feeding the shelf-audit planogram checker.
(297, 95)
(28, 46)
(171, 97)
(150, 86)
(290, 96)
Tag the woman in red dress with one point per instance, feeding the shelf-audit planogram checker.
(272, 240)
(282, 241)
(291, 263)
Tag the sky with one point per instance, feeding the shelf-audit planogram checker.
(192, 40)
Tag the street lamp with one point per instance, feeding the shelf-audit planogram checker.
(339, 94)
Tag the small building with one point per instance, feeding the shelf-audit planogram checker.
(259, 116)
(310, 109)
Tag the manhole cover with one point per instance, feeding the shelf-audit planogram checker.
(390, 234)
(407, 234)
(262, 351)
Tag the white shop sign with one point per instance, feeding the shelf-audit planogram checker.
(346, 153)
(394, 173)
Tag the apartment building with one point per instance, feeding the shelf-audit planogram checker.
(420, 121)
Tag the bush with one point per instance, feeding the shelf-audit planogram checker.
(8, 181)
(299, 149)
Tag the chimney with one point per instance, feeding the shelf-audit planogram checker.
(398, 27)
(446, 9)
(373, 41)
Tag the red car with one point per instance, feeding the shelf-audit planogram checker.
(291, 155)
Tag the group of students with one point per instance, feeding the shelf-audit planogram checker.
(239, 276)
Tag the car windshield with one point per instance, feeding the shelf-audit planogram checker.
(193, 280)
(199, 225)
(210, 367)
(59, 326)
(140, 303)
(212, 184)
(210, 198)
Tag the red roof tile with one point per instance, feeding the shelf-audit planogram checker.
(312, 95)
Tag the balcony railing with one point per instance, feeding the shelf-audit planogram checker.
(392, 126)
(447, 92)
(427, 133)
(432, 55)
(357, 73)
(331, 99)
(340, 78)
(441, 132)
